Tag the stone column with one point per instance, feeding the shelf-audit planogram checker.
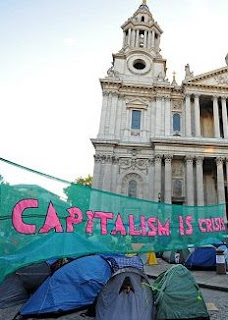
(151, 179)
(197, 116)
(220, 180)
(157, 175)
(199, 181)
(168, 178)
(107, 163)
(216, 117)
(189, 181)
(103, 113)
(224, 118)
(188, 120)
(167, 116)
(158, 120)
(113, 113)
(133, 38)
(115, 167)
(97, 171)
(124, 39)
(153, 38)
(149, 39)
(129, 36)
(137, 38)
(119, 117)
(145, 39)
(108, 113)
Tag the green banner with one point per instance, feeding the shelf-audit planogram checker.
(42, 217)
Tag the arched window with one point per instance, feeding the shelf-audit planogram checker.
(176, 122)
(132, 189)
(142, 18)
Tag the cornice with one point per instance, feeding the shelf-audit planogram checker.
(199, 142)
(207, 87)
(207, 75)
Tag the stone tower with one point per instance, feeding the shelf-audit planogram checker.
(158, 140)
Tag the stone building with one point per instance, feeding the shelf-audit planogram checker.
(158, 140)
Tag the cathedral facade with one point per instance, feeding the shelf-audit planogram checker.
(158, 140)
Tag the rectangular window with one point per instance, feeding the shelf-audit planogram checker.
(136, 119)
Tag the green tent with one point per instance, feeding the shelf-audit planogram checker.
(177, 296)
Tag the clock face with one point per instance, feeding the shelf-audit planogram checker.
(139, 64)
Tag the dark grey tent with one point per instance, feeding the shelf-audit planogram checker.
(177, 296)
(176, 256)
(16, 287)
(127, 295)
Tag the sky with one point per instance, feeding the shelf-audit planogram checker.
(53, 53)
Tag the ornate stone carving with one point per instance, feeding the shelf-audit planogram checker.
(177, 105)
(177, 187)
(135, 133)
(221, 79)
(151, 161)
(99, 157)
(188, 73)
(168, 158)
(133, 163)
(219, 160)
(189, 158)
(111, 73)
(177, 169)
(199, 160)
(158, 158)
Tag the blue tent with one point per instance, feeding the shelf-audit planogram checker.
(202, 258)
(73, 286)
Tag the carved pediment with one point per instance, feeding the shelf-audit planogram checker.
(137, 103)
(215, 78)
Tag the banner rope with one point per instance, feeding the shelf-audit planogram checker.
(35, 171)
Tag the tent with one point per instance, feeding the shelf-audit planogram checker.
(202, 258)
(127, 295)
(176, 256)
(74, 285)
(16, 287)
(177, 296)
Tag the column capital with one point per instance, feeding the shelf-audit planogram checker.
(224, 98)
(189, 158)
(214, 97)
(187, 95)
(157, 158)
(219, 160)
(168, 157)
(196, 95)
(151, 161)
(199, 160)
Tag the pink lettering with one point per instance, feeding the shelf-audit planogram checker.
(189, 225)
(119, 226)
(90, 223)
(201, 227)
(208, 224)
(51, 221)
(104, 216)
(153, 229)
(181, 225)
(18, 210)
(75, 217)
(163, 230)
(143, 225)
(133, 232)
